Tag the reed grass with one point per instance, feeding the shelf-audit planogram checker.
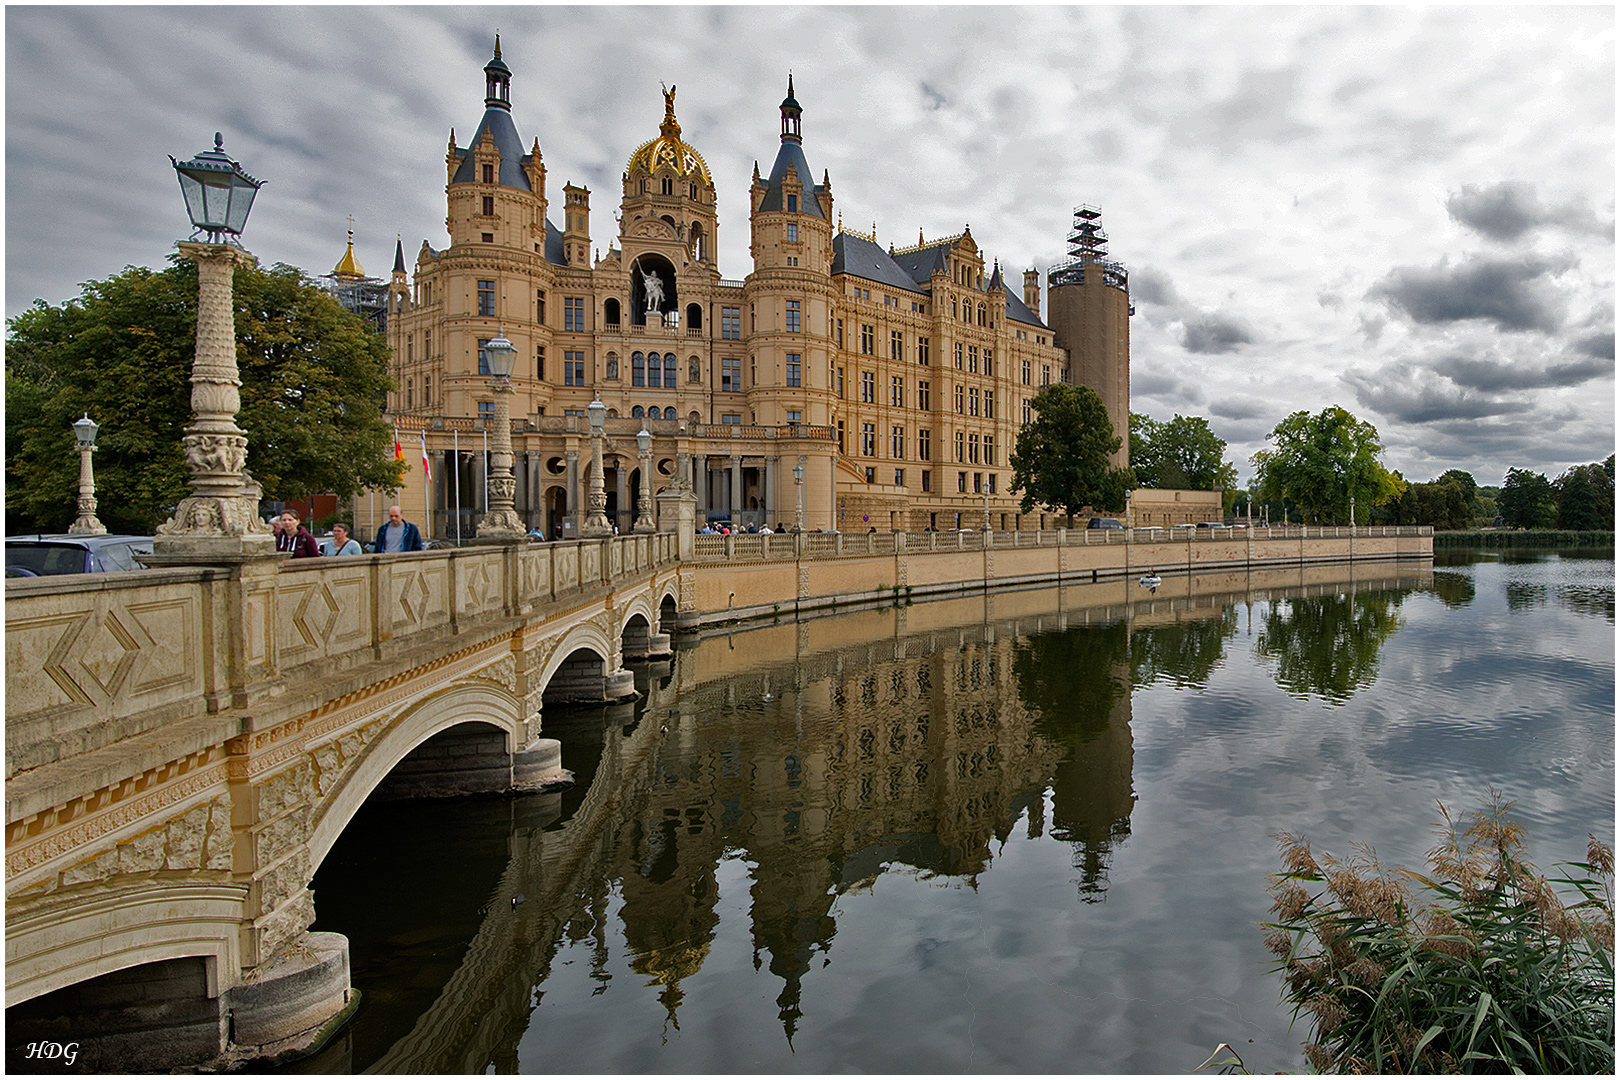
(1484, 964)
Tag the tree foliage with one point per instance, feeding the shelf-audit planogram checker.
(1586, 496)
(1182, 453)
(313, 379)
(1528, 501)
(1444, 504)
(1060, 460)
(1321, 462)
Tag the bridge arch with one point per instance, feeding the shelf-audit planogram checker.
(487, 704)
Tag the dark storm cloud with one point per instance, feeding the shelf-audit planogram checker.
(1210, 333)
(1152, 286)
(1496, 376)
(1427, 402)
(1507, 210)
(1240, 409)
(1155, 384)
(1510, 293)
(1600, 346)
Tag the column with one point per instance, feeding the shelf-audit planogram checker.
(769, 509)
(621, 484)
(736, 487)
(700, 472)
(576, 497)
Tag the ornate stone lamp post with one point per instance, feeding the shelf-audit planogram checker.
(596, 522)
(644, 521)
(501, 525)
(219, 521)
(798, 498)
(84, 433)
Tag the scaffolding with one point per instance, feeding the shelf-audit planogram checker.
(1088, 251)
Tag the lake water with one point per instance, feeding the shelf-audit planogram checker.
(1002, 834)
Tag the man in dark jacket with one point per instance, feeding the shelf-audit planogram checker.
(398, 534)
(295, 538)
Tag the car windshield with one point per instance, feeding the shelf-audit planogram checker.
(47, 558)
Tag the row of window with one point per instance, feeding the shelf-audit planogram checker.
(982, 484)
(970, 446)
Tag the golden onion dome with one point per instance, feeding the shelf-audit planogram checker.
(349, 266)
(669, 150)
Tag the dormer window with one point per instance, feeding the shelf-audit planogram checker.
(793, 204)
(489, 174)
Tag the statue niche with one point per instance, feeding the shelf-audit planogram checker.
(652, 290)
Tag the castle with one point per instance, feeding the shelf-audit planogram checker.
(868, 387)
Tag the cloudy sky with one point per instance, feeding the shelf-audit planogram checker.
(1409, 213)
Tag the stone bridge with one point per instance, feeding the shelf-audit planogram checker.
(183, 746)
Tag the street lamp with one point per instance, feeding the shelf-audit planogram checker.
(596, 522)
(798, 501)
(220, 519)
(500, 525)
(218, 193)
(84, 433)
(644, 521)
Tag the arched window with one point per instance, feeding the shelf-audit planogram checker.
(669, 412)
(610, 312)
(694, 316)
(981, 314)
(669, 369)
(638, 369)
(655, 370)
(669, 186)
(410, 400)
(635, 412)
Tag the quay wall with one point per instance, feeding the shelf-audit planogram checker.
(766, 576)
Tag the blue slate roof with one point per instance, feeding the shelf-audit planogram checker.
(497, 121)
(1018, 311)
(863, 259)
(793, 154)
(554, 245)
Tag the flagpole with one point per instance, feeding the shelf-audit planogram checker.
(427, 485)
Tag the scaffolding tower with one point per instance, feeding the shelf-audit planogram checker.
(1088, 250)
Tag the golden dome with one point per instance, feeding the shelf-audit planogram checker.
(349, 266)
(668, 150)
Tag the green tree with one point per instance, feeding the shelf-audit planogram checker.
(1181, 453)
(1060, 460)
(1321, 462)
(1528, 501)
(1586, 496)
(313, 379)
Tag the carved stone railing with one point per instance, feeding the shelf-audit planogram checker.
(97, 662)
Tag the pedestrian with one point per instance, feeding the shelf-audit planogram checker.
(398, 534)
(295, 539)
(341, 543)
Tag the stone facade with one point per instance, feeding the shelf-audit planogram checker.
(898, 375)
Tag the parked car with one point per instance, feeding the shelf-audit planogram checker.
(43, 554)
(1104, 523)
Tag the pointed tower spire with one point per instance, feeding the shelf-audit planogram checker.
(399, 253)
(790, 114)
(497, 81)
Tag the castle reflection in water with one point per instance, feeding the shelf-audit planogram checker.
(805, 759)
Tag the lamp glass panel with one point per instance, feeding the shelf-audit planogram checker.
(240, 201)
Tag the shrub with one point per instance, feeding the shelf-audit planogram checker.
(1492, 971)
